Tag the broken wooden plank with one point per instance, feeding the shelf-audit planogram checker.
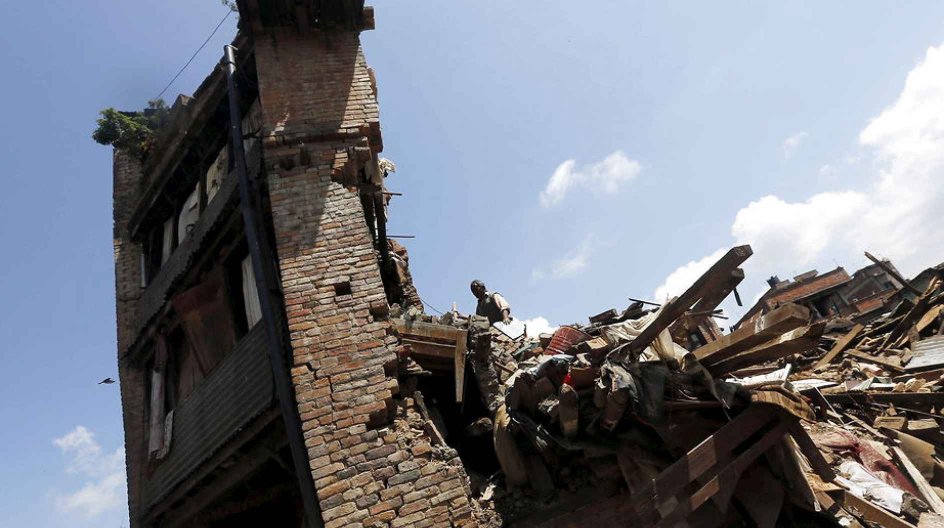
(868, 511)
(784, 319)
(921, 306)
(893, 272)
(929, 495)
(792, 342)
(918, 400)
(930, 520)
(703, 457)
(712, 299)
(718, 273)
(929, 317)
(672, 481)
(812, 453)
(927, 375)
(875, 432)
(604, 317)
(878, 360)
(890, 422)
(841, 344)
(727, 478)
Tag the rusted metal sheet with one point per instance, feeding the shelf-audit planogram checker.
(238, 390)
(927, 353)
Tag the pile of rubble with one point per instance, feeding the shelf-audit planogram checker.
(628, 420)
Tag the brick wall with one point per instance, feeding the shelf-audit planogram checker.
(370, 466)
(127, 177)
(799, 291)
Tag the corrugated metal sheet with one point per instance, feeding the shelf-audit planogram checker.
(927, 353)
(215, 215)
(239, 390)
(155, 295)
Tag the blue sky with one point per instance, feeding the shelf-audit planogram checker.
(570, 156)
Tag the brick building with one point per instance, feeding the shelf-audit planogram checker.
(245, 407)
(859, 297)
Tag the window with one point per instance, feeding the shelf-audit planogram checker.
(207, 320)
(162, 398)
(189, 214)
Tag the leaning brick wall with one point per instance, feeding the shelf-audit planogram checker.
(127, 173)
(371, 468)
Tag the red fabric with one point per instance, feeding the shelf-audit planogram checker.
(866, 455)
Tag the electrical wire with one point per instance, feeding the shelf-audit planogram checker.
(431, 307)
(217, 28)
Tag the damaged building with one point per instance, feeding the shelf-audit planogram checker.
(277, 367)
(835, 293)
(257, 362)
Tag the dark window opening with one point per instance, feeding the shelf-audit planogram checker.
(342, 288)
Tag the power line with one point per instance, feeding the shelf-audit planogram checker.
(228, 13)
(431, 307)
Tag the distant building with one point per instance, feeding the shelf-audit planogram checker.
(835, 293)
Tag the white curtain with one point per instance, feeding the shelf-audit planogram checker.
(167, 245)
(250, 294)
(189, 215)
(215, 174)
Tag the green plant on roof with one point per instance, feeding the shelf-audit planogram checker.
(132, 132)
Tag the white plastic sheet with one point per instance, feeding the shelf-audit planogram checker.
(863, 484)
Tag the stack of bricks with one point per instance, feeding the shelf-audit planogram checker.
(370, 467)
(128, 173)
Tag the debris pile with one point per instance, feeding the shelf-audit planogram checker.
(648, 417)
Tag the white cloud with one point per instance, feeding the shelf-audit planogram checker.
(538, 325)
(571, 264)
(827, 170)
(896, 213)
(95, 497)
(680, 279)
(603, 177)
(793, 142)
(104, 488)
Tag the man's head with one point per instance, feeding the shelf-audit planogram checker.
(478, 289)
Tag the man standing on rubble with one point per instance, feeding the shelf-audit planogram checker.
(491, 304)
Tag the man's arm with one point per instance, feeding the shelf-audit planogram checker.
(503, 306)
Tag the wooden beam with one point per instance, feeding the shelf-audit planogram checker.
(929, 317)
(812, 453)
(875, 359)
(840, 345)
(921, 401)
(712, 299)
(891, 271)
(793, 342)
(727, 478)
(930, 496)
(920, 307)
(701, 461)
(784, 319)
(870, 512)
(702, 457)
(711, 280)
(459, 361)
